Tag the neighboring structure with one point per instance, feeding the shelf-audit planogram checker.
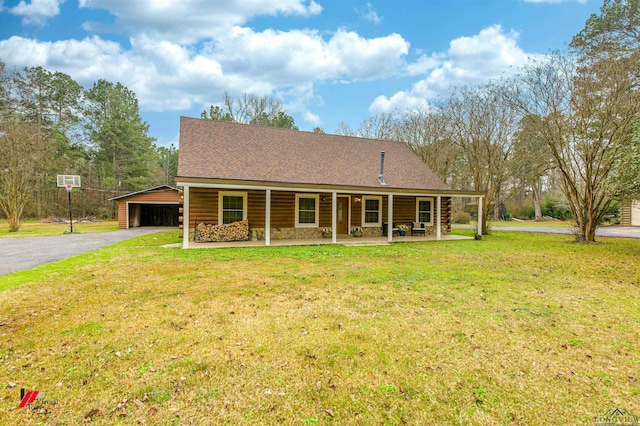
(291, 184)
(157, 206)
(630, 213)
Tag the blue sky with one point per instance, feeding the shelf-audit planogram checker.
(328, 61)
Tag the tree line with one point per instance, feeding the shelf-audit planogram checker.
(50, 125)
(566, 122)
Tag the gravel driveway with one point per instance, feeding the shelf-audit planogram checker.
(17, 254)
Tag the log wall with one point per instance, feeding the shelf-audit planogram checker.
(204, 207)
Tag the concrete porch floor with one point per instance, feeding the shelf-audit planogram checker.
(342, 240)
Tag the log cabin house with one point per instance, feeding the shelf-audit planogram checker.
(289, 184)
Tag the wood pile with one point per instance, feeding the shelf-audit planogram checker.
(236, 231)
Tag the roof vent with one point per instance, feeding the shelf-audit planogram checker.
(381, 175)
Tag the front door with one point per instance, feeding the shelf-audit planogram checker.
(342, 215)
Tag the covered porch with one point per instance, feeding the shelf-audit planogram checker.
(278, 216)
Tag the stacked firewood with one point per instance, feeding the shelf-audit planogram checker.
(236, 231)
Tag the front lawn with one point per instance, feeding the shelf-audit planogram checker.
(37, 228)
(514, 329)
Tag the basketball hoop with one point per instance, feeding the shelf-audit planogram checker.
(68, 182)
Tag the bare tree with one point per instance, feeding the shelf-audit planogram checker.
(586, 116)
(251, 109)
(23, 150)
(345, 130)
(531, 160)
(426, 131)
(380, 126)
(482, 125)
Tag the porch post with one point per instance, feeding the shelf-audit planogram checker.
(480, 215)
(185, 217)
(390, 218)
(438, 218)
(334, 217)
(267, 219)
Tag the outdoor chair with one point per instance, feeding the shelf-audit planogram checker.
(418, 229)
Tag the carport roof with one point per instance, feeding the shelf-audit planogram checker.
(154, 189)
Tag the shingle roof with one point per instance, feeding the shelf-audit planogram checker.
(153, 189)
(223, 150)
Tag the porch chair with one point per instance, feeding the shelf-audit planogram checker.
(418, 229)
(385, 229)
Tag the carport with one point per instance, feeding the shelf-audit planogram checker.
(157, 206)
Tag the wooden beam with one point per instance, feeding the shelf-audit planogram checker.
(334, 217)
(185, 231)
(438, 218)
(267, 219)
(389, 217)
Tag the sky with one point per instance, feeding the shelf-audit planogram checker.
(328, 61)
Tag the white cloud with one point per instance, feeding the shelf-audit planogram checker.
(299, 99)
(469, 60)
(299, 57)
(169, 76)
(362, 58)
(369, 14)
(37, 11)
(425, 63)
(188, 21)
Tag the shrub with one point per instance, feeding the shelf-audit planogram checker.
(461, 217)
(527, 212)
(555, 208)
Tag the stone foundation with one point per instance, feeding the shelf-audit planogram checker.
(257, 234)
(375, 231)
(431, 230)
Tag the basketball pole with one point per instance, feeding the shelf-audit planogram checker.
(70, 213)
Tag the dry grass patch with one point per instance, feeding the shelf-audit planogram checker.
(514, 329)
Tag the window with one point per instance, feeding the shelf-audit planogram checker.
(424, 210)
(307, 210)
(232, 207)
(371, 211)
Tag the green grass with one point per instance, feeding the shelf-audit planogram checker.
(496, 224)
(514, 329)
(33, 228)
